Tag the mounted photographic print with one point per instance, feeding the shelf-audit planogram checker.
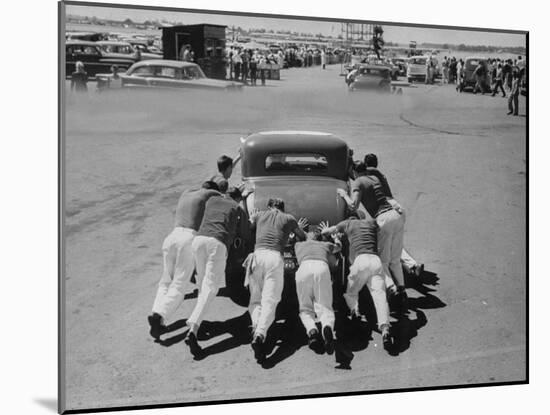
(262, 207)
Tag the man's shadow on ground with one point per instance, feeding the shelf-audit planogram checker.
(355, 335)
(236, 327)
(287, 334)
(404, 329)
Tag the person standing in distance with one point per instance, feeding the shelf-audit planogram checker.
(79, 78)
(220, 225)
(177, 256)
(266, 279)
(366, 269)
(314, 289)
(513, 99)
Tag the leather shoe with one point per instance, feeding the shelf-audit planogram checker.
(329, 339)
(157, 328)
(258, 347)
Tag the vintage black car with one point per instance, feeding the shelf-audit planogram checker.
(94, 59)
(303, 168)
(372, 77)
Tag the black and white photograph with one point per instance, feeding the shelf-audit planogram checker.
(258, 207)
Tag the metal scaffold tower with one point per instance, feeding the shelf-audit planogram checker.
(357, 33)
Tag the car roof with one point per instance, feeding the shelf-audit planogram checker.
(80, 42)
(164, 62)
(374, 66)
(256, 147)
(113, 42)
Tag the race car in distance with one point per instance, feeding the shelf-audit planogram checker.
(370, 77)
(161, 73)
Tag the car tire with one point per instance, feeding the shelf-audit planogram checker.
(410, 80)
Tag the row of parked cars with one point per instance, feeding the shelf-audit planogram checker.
(136, 68)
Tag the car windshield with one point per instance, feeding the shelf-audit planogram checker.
(193, 72)
(470, 63)
(418, 61)
(296, 162)
(373, 71)
(122, 49)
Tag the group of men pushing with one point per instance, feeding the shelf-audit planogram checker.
(210, 218)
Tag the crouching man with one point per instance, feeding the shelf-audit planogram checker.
(366, 269)
(222, 219)
(314, 289)
(266, 280)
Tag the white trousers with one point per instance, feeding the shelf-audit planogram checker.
(314, 289)
(391, 228)
(210, 257)
(266, 283)
(368, 269)
(407, 260)
(178, 266)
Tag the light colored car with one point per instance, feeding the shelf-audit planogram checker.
(172, 74)
(416, 68)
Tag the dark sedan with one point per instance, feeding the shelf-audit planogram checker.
(94, 59)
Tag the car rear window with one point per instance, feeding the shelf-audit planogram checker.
(470, 63)
(296, 162)
(418, 61)
(370, 71)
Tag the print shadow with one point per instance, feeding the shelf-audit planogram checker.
(287, 334)
(237, 327)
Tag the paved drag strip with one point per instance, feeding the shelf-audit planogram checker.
(402, 117)
(358, 373)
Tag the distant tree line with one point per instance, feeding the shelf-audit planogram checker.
(475, 48)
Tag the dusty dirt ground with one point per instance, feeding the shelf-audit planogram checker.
(457, 163)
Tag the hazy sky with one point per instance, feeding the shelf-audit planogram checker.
(400, 34)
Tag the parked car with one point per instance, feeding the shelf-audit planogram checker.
(86, 36)
(301, 167)
(372, 77)
(375, 60)
(94, 59)
(172, 74)
(470, 65)
(146, 48)
(401, 63)
(125, 50)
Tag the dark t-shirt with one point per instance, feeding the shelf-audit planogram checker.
(221, 219)
(371, 195)
(221, 181)
(190, 209)
(78, 81)
(373, 171)
(273, 228)
(317, 250)
(362, 236)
